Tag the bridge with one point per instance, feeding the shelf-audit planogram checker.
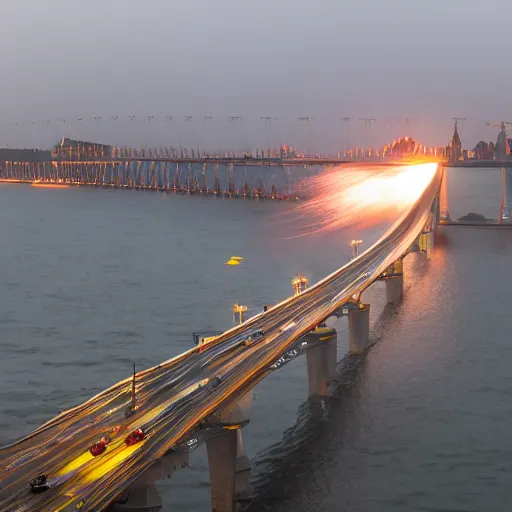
(150, 421)
(206, 175)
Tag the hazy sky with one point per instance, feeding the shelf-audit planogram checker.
(430, 60)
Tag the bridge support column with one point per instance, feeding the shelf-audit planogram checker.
(444, 214)
(142, 495)
(243, 471)
(395, 282)
(321, 359)
(394, 290)
(359, 329)
(222, 455)
(426, 242)
(431, 237)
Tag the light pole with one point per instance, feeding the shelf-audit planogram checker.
(367, 128)
(239, 310)
(305, 120)
(355, 244)
(299, 283)
(345, 121)
(269, 119)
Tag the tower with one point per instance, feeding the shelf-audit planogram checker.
(456, 145)
(502, 146)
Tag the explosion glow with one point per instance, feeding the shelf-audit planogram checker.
(361, 197)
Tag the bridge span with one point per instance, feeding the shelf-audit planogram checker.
(234, 177)
(202, 394)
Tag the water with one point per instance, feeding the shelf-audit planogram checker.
(94, 279)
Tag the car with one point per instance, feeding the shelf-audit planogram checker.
(215, 382)
(254, 336)
(39, 484)
(99, 447)
(135, 437)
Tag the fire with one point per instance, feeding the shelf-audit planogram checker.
(362, 197)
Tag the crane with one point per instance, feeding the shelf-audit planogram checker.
(504, 125)
(457, 119)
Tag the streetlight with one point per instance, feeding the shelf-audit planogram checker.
(355, 244)
(346, 120)
(240, 310)
(299, 283)
(269, 119)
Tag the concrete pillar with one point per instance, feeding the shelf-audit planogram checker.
(222, 451)
(359, 329)
(395, 290)
(145, 499)
(443, 199)
(431, 236)
(321, 360)
(243, 471)
(142, 495)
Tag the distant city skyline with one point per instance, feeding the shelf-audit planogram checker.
(428, 61)
(240, 133)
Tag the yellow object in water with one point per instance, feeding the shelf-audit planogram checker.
(232, 262)
(237, 258)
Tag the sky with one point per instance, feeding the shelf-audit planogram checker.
(425, 60)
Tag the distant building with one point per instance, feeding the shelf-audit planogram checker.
(502, 144)
(70, 149)
(484, 151)
(455, 145)
(401, 148)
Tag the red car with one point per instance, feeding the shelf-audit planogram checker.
(99, 447)
(135, 437)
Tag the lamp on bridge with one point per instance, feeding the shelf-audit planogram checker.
(240, 310)
(355, 244)
(300, 283)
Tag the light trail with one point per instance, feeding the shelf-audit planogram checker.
(177, 395)
(354, 197)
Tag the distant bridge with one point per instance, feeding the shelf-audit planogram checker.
(269, 178)
(479, 163)
(266, 162)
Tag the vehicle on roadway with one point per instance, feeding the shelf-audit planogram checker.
(240, 341)
(135, 437)
(99, 447)
(39, 484)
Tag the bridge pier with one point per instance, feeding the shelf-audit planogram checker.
(230, 471)
(321, 359)
(142, 495)
(426, 242)
(395, 283)
(243, 471)
(359, 329)
(222, 452)
(444, 213)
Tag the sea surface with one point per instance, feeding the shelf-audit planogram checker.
(95, 279)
